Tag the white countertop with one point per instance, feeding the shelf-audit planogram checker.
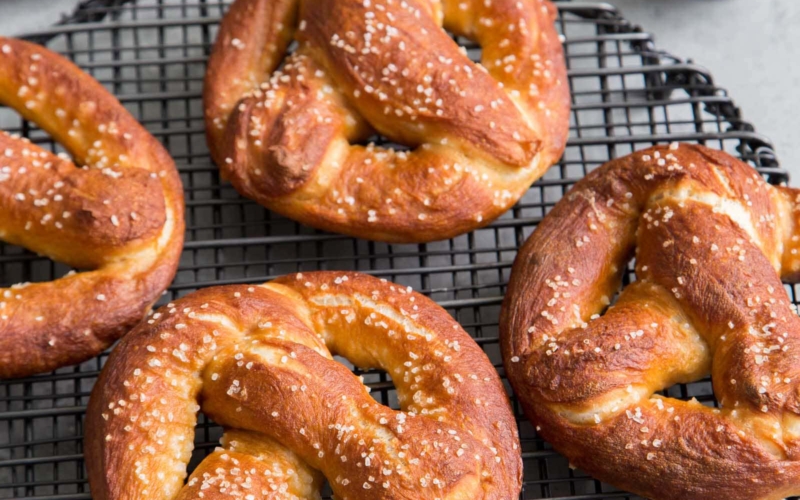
(751, 47)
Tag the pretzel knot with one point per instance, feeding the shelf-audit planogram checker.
(259, 360)
(712, 242)
(482, 133)
(120, 216)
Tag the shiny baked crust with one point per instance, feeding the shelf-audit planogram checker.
(712, 241)
(289, 138)
(120, 217)
(259, 361)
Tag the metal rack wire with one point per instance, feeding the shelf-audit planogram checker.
(152, 53)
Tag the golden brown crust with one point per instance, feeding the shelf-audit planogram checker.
(482, 134)
(711, 240)
(121, 216)
(257, 358)
(250, 463)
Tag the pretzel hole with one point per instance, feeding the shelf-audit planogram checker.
(382, 388)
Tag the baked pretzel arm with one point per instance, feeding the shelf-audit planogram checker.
(258, 360)
(482, 134)
(120, 216)
(712, 241)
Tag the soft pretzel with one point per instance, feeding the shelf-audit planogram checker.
(289, 139)
(712, 241)
(121, 216)
(258, 360)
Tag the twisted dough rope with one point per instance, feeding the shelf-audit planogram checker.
(121, 215)
(712, 243)
(483, 133)
(258, 361)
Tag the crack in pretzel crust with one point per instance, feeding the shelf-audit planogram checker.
(259, 361)
(712, 241)
(289, 138)
(120, 217)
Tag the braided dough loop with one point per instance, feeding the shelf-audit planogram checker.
(712, 240)
(121, 216)
(259, 361)
(482, 134)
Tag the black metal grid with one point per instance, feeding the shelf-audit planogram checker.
(152, 53)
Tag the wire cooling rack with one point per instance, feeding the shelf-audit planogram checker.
(152, 54)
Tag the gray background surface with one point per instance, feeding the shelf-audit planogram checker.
(751, 46)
